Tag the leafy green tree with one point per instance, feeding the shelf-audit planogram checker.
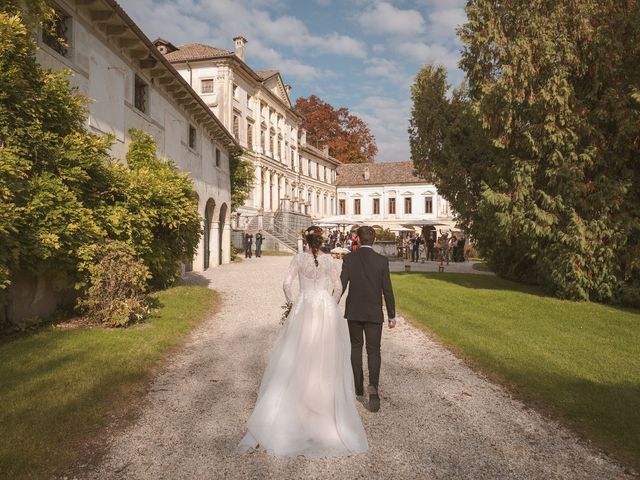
(549, 181)
(53, 171)
(155, 211)
(61, 194)
(242, 180)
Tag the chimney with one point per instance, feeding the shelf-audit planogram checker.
(366, 173)
(325, 151)
(240, 43)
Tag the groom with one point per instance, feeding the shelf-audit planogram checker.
(367, 273)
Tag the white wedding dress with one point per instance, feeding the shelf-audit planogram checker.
(306, 402)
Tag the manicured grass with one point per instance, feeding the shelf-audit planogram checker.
(60, 388)
(578, 361)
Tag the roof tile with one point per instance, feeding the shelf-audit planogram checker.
(196, 51)
(353, 174)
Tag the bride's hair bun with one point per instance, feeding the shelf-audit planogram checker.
(313, 236)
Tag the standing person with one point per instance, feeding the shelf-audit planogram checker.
(416, 241)
(259, 239)
(454, 248)
(367, 274)
(431, 245)
(248, 242)
(306, 403)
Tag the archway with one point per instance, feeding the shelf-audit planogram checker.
(223, 225)
(208, 218)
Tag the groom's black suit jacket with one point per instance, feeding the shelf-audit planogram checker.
(367, 274)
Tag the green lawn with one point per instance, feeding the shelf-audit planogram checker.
(578, 361)
(60, 388)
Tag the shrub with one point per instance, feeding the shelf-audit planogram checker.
(385, 235)
(116, 284)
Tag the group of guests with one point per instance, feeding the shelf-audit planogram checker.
(442, 247)
(248, 243)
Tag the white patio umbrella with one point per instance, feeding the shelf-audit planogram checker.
(402, 229)
(342, 250)
(422, 223)
(340, 220)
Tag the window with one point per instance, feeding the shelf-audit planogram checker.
(428, 205)
(263, 138)
(342, 206)
(318, 171)
(192, 137)
(217, 157)
(392, 206)
(356, 206)
(206, 85)
(376, 206)
(271, 144)
(56, 34)
(407, 205)
(250, 135)
(236, 127)
(140, 94)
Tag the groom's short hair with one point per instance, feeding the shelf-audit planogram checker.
(367, 235)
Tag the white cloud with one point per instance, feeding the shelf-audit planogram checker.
(445, 22)
(384, 18)
(288, 66)
(382, 68)
(437, 54)
(388, 119)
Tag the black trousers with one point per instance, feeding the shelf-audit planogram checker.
(415, 254)
(372, 336)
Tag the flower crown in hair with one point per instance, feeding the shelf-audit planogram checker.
(316, 231)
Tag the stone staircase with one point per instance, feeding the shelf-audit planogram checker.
(281, 226)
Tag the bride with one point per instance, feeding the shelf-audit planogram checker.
(306, 402)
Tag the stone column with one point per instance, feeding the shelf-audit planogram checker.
(266, 189)
(258, 196)
(276, 191)
(214, 255)
(226, 243)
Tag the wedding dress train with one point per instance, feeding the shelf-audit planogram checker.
(306, 402)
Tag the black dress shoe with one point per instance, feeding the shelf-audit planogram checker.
(374, 399)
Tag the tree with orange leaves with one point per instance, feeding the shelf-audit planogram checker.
(347, 136)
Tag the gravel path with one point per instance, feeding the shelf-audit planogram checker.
(438, 419)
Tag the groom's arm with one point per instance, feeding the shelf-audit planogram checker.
(387, 291)
(344, 275)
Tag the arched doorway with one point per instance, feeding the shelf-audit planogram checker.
(208, 219)
(222, 226)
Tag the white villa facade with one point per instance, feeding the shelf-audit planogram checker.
(389, 195)
(134, 86)
(255, 106)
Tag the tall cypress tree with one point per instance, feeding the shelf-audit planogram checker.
(555, 88)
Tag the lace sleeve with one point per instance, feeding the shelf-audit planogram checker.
(292, 273)
(335, 280)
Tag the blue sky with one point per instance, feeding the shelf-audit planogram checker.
(360, 54)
